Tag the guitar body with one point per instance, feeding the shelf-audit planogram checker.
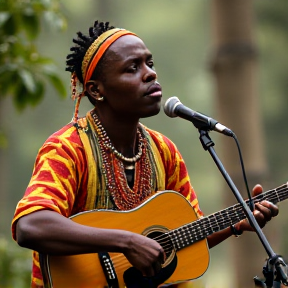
(164, 211)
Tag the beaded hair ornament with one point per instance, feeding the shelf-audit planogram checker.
(90, 61)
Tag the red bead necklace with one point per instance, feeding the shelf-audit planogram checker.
(113, 169)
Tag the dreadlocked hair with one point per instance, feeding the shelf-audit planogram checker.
(83, 42)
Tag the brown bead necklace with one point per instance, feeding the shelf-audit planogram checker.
(113, 169)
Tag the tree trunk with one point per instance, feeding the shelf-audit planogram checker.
(234, 65)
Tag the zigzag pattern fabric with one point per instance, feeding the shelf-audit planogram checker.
(65, 165)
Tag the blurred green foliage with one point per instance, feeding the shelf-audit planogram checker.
(15, 265)
(24, 73)
(23, 70)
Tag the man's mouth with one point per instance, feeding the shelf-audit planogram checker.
(154, 90)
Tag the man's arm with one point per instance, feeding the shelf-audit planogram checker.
(48, 232)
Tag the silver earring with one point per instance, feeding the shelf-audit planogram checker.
(100, 99)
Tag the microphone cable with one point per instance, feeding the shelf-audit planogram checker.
(251, 203)
(173, 108)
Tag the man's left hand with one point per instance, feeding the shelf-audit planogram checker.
(264, 211)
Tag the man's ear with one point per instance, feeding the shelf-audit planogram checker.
(93, 88)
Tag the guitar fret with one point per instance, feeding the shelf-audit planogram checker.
(209, 225)
(277, 195)
(228, 213)
(198, 230)
(205, 226)
(216, 221)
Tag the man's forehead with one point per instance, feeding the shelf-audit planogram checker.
(127, 46)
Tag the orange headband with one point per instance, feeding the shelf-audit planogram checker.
(98, 48)
(90, 61)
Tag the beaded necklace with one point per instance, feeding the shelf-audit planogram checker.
(113, 169)
(107, 143)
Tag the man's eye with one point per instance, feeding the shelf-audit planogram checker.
(132, 68)
(151, 64)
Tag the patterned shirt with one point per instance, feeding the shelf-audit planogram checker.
(60, 179)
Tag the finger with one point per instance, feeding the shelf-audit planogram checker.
(157, 267)
(275, 211)
(265, 211)
(162, 255)
(257, 189)
(273, 208)
(259, 218)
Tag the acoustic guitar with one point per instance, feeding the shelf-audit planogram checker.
(166, 217)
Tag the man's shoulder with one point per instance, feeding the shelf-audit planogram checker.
(159, 137)
(161, 141)
(66, 133)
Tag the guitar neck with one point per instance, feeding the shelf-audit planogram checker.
(197, 230)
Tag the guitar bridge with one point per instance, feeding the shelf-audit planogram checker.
(108, 269)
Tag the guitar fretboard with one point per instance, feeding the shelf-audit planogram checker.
(192, 232)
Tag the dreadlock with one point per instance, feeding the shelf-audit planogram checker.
(83, 42)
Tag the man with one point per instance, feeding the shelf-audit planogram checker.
(107, 160)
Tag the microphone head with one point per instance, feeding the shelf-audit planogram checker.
(170, 105)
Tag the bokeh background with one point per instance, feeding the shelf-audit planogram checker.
(200, 65)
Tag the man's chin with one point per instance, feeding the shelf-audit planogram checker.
(151, 113)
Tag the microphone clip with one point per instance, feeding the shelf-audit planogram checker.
(205, 139)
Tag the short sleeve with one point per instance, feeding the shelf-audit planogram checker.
(57, 172)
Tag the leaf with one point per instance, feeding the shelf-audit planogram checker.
(50, 71)
(4, 16)
(9, 27)
(31, 25)
(58, 84)
(37, 96)
(28, 80)
(23, 97)
(22, 69)
(8, 78)
(55, 20)
(20, 96)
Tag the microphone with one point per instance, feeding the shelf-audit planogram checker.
(173, 108)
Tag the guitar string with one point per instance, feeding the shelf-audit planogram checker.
(238, 213)
(215, 225)
(276, 196)
(241, 212)
(237, 208)
(195, 224)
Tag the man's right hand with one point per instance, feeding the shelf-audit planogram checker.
(145, 254)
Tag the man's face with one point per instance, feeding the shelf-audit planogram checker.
(130, 88)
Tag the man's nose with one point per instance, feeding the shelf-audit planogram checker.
(150, 74)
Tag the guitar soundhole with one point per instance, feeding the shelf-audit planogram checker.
(158, 233)
(133, 277)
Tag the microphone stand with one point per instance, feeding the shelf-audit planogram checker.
(275, 269)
